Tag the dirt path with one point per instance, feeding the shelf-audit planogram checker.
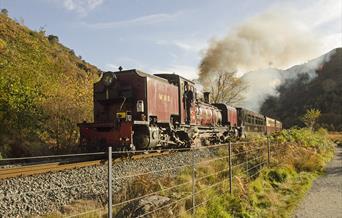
(324, 200)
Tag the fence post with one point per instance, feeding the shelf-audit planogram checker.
(193, 184)
(268, 152)
(110, 182)
(230, 167)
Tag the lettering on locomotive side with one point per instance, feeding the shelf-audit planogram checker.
(163, 97)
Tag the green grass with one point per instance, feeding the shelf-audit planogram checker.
(277, 190)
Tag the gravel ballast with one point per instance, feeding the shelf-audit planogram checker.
(49, 192)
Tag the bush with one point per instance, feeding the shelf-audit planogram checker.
(278, 175)
(4, 11)
(53, 39)
(309, 162)
(304, 137)
(309, 150)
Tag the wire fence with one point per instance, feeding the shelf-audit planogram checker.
(166, 190)
(190, 192)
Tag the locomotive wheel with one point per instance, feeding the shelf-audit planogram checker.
(141, 141)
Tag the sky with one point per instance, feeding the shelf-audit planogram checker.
(161, 36)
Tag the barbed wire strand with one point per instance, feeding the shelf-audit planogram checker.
(254, 149)
(167, 205)
(154, 171)
(117, 178)
(122, 152)
(251, 176)
(227, 156)
(245, 162)
(255, 166)
(204, 202)
(150, 194)
(211, 186)
(207, 176)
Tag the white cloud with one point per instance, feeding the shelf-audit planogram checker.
(111, 67)
(193, 45)
(188, 72)
(126, 63)
(323, 11)
(143, 20)
(322, 17)
(332, 41)
(81, 6)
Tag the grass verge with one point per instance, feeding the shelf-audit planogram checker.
(298, 158)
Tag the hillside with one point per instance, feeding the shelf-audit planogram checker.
(264, 82)
(322, 91)
(45, 89)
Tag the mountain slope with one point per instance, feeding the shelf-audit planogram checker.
(45, 89)
(264, 82)
(323, 92)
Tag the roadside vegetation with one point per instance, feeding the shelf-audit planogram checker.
(277, 190)
(45, 90)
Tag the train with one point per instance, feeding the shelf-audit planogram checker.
(134, 110)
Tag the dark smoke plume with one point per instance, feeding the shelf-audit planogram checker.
(273, 38)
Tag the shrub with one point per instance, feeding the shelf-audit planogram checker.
(4, 11)
(53, 39)
(310, 117)
(309, 162)
(303, 137)
(278, 175)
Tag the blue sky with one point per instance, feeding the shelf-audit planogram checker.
(159, 35)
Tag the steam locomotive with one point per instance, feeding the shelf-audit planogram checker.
(136, 110)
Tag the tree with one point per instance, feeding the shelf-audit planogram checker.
(310, 117)
(4, 11)
(225, 87)
(53, 39)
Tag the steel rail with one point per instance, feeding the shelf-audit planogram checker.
(34, 169)
(44, 168)
(53, 156)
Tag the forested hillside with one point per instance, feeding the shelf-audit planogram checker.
(45, 90)
(323, 92)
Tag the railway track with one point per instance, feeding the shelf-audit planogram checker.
(60, 166)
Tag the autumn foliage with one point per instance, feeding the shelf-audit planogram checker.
(45, 90)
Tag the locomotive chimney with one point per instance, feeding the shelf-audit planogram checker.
(206, 97)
